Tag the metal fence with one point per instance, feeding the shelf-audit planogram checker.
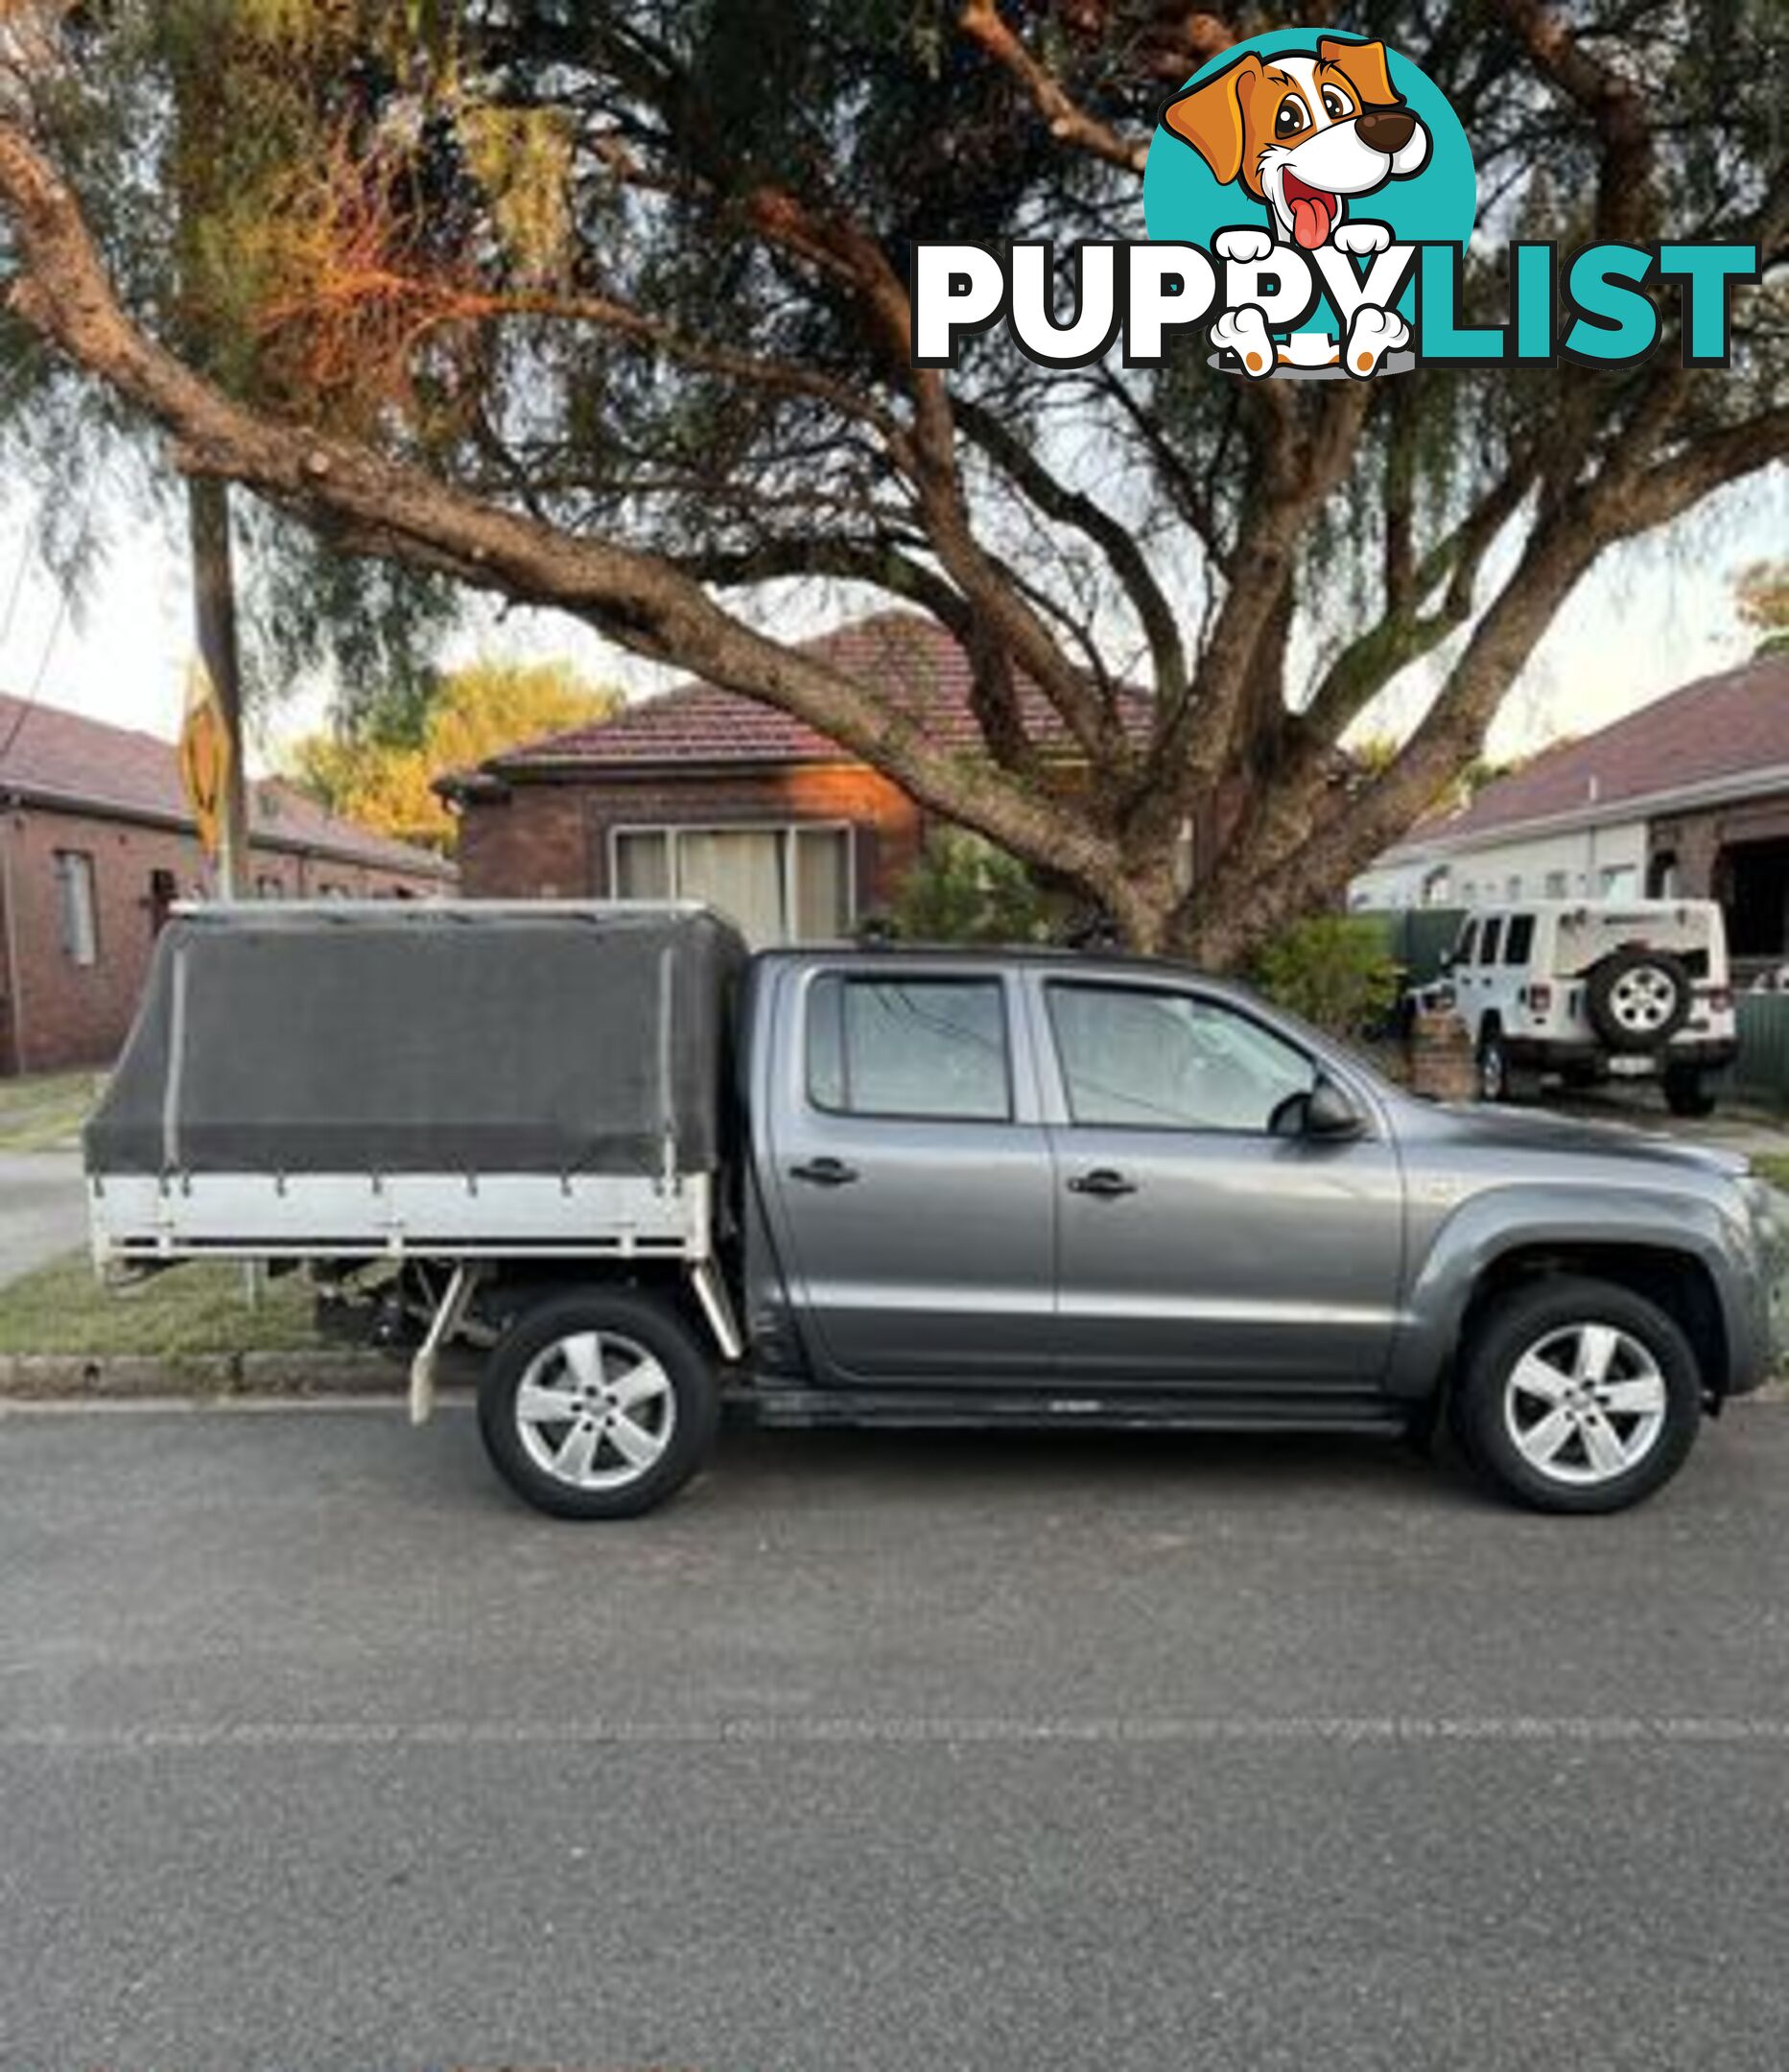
(1418, 938)
(1762, 1072)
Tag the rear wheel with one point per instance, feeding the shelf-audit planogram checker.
(1577, 1395)
(598, 1405)
(1687, 1092)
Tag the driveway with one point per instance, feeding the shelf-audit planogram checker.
(878, 1752)
(43, 1209)
(1749, 1131)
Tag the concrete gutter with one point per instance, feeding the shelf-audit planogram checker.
(51, 1377)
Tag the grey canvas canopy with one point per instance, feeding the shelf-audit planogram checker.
(438, 1039)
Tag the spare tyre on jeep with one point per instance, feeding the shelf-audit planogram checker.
(1638, 998)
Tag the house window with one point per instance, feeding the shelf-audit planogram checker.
(1557, 884)
(779, 884)
(163, 890)
(74, 894)
(1513, 886)
(267, 887)
(1618, 881)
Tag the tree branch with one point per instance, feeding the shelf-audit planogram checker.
(1627, 202)
(401, 511)
(1115, 541)
(1069, 124)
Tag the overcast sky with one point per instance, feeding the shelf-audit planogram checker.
(1651, 617)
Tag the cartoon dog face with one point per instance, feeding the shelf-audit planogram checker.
(1303, 133)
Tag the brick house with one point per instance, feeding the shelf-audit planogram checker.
(96, 844)
(699, 794)
(1687, 798)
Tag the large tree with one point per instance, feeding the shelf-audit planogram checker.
(603, 306)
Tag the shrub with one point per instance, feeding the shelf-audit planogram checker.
(963, 889)
(1335, 970)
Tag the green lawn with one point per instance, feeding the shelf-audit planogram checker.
(45, 1112)
(187, 1311)
(1774, 1167)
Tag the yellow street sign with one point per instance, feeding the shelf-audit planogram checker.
(204, 757)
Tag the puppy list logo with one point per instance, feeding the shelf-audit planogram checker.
(1343, 163)
(1308, 199)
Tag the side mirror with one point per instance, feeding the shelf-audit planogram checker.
(1328, 1112)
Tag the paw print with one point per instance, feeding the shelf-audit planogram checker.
(1362, 240)
(1244, 245)
(1373, 333)
(1244, 333)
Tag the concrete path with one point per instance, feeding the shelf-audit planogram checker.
(43, 1209)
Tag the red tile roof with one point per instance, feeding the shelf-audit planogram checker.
(51, 757)
(911, 660)
(1721, 729)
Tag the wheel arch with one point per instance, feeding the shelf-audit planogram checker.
(1670, 1253)
(1676, 1281)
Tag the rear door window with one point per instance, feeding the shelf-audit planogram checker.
(1489, 940)
(1519, 944)
(909, 1048)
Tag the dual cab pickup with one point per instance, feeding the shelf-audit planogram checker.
(634, 1166)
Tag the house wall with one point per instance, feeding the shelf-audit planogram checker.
(1461, 877)
(548, 839)
(63, 1014)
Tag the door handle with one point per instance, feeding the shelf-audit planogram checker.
(1103, 1182)
(824, 1173)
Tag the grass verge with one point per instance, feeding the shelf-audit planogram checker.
(45, 1112)
(187, 1312)
(1774, 1167)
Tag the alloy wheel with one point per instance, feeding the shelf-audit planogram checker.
(1586, 1404)
(595, 1410)
(1643, 999)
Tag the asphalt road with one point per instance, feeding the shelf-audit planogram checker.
(316, 1750)
(43, 1209)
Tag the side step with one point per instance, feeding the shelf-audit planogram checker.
(786, 1407)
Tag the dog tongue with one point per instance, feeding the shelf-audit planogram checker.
(1310, 220)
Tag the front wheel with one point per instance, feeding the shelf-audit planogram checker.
(1577, 1395)
(598, 1405)
(1498, 1081)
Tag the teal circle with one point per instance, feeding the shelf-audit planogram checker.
(1184, 199)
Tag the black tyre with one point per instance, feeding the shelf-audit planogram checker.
(1500, 1080)
(1575, 1394)
(598, 1404)
(1638, 1000)
(1687, 1092)
(1495, 1078)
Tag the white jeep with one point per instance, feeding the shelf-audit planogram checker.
(1594, 989)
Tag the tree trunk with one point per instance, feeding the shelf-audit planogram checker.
(214, 619)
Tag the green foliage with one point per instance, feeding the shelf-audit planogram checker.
(383, 775)
(1335, 970)
(1763, 593)
(964, 890)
